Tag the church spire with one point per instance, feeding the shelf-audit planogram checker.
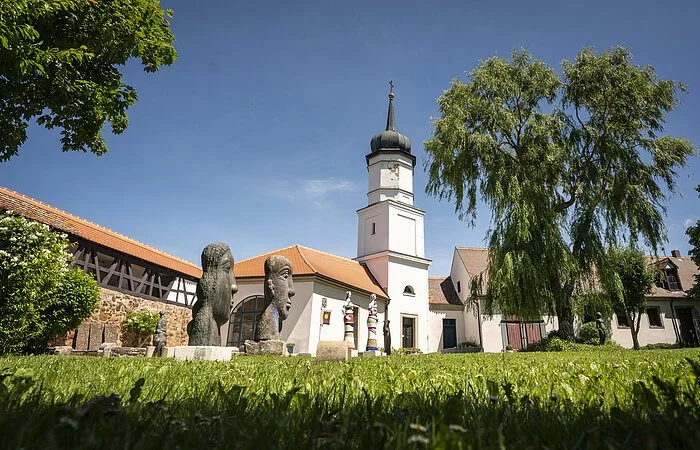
(390, 116)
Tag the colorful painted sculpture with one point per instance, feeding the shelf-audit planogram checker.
(349, 319)
(372, 323)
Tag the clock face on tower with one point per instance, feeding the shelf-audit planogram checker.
(392, 176)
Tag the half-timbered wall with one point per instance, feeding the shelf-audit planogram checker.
(123, 273)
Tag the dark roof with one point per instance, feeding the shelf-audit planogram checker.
(441, 291)
(391, 140)
(81, 228)
(686, 271)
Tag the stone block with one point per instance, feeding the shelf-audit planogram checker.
(106, 348)
(127, 351)
(270, 347)
(332, 351)
(95, 336)
(82, 337)
(111, 333)
(371, 353)
(61, 350)
(352, 353)
(202, 353)
(150, 350)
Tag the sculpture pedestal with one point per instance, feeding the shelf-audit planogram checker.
(270, 347)
(371, 353)
(332, 351)
(169, 351)
(203, 353)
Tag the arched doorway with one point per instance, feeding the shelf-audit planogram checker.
(243, 319)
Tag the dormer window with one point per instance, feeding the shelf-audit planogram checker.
(672, 281)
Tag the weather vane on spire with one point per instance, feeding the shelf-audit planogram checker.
(391, 86)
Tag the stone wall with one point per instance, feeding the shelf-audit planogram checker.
(112, 309)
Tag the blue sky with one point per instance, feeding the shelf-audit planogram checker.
(257, 135)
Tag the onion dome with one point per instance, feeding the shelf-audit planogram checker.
(390, 139)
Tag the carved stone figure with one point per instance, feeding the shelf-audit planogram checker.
(279, 290)
(387, 337)
(349, 320)
(600, 326)
(160, 336)
(372, 323)
(214, 295)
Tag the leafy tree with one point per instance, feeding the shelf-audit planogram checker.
(627, 279)
(40, 296)
(566, 163)
(141, 323)
(693, 233)
(59, 62)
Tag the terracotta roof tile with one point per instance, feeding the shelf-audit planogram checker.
(307, 261)
(441, 291)
(68, 223)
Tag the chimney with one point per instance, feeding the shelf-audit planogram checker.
(676, 253)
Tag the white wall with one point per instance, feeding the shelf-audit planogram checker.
(368, 243)
(296, 327)
(400, 275)
(335, 302)
(648, 335)
(435, 315)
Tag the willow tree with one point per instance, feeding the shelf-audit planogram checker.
(61, 62)
(566, 162)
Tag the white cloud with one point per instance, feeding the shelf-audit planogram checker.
(314, 191)
(688, 222)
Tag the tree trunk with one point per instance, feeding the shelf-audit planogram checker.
(634, 329)
(565, 316)
(565, 311)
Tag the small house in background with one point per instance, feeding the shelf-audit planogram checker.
(320, 283)
(132, 276)
(670, 316)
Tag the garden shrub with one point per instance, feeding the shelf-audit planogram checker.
(661, 346)
(468, 343)
(588, 334)
(141, 323)
(40, 295)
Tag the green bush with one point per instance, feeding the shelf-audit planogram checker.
(661, 346)
(40, 296)
(406, 351)
(468, 343)
(551, 343)
(588, 334)
(141, 322)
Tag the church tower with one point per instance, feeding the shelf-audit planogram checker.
(390, 235)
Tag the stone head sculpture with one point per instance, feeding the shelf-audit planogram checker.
(215, 291)
(279, 290)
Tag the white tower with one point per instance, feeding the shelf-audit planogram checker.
(390, 235)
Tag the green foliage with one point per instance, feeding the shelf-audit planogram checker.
(406, 351)
(588, 334)
(627, 277)
(661, 346)
(693, 233)
(40, 296)
(551, 343)
(60, 61)
(524, 400)
(566, 164)
(141, 322)
(468, 343)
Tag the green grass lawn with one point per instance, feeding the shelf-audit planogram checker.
(611, 398)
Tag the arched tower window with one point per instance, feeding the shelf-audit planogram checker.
(408, 290)
(243, 319)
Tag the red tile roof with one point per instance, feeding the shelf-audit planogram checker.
(68, 223)
(441, 291)
(307, 261)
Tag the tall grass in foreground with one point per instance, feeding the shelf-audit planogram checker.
(615, 399)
